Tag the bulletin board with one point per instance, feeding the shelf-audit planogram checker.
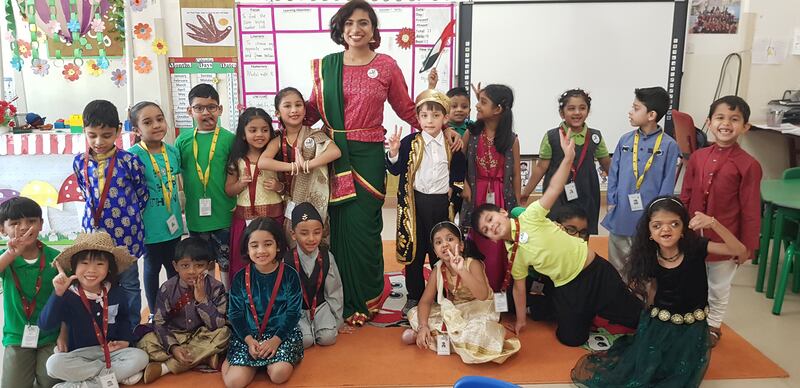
(278, 41)
(185, 73)
(542, 48)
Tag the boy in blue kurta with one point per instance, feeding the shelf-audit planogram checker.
(113, 184)
(643, 168)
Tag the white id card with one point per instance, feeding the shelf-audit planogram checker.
(443, 345)
(205, 207)
(172, 224)
(490, 197)
(571, 191)
(30, 337)
(289, 208)
(108, 380)
(500, 302)
(635, 200)
(247, 223)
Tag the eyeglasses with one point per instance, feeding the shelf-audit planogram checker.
(572, 231)
(201, 108)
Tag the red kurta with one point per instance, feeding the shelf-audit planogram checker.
(725, 183)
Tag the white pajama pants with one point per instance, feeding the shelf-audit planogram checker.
(720, 277)
(81, 367)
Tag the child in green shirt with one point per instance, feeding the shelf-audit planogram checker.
(27, 274)
(204, 155)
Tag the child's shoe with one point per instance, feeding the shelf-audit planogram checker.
(152, 372)
(132, 380)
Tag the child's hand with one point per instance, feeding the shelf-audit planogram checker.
(394, 142)
(424, 338)
(19, 243)
(62, 340)
(298, 157)
(61, 282)
(433, 79)
(269, 347)
(457, 262)
(701, 221)
(456, 143)
(476, 90)
(117, 345)
(252, 347)
(273, 184)
(200, 289)
(245, 179)
(520, 324)
(567, 145)
(182, 355)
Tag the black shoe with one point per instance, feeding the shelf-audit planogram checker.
(410, 303)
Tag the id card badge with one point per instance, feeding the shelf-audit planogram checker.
(490, 197)
(205, 207)
(30, 337)
(172, 224)
(500, 302)
(247, 223)
(289, 208)
(571, 191)
(443, 345)
(635, 200)
(108, 380)
(537, 288)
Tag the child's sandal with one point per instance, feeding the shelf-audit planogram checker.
(714, 335)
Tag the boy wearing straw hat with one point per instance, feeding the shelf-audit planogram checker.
(95, 312)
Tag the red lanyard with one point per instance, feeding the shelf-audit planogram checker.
(286, 156)
(253, 185)
(101, 335)
(313, 303)
(271, 304)
(30, 305)
(514, 248)
(97, 211)
(573, 168)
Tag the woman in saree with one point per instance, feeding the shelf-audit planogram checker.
(350, 90)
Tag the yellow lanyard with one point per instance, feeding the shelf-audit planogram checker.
(200, 174)
(640, 178)
(169, 188)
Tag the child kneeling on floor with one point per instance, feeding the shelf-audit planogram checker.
(189, 323)
(464, 314)
(320, 282)
(264, 308)
(95, 312)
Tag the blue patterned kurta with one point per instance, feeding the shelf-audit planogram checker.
(127, 197)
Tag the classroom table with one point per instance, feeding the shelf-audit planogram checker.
(790, 133)
(781, 198)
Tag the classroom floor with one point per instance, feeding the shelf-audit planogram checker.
(749, 315)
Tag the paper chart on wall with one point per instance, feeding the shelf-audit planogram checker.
(207, 27)
(185, 73)
(278, 41)
(769, 51)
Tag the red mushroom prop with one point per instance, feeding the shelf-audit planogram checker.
(70, 192)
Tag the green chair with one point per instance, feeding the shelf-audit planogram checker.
(790, 264)
(791, 231)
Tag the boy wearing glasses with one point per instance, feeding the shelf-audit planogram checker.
(204, 153)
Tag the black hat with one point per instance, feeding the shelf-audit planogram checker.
(303, 212)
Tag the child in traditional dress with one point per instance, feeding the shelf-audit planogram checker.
(586, 285)
(301, 155)
(27, 273)
(583, 188)
(204, 156)
(643, 167)
(320, 282)
(458, 301)
(114, 186)
(96, 315)
(163, 219)
(492, 172)
(667, 268)
(256, 190)
(264, 308)
(427, 168)
(189, 325)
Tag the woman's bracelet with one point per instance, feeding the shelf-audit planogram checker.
(293, 165)
(305, 167)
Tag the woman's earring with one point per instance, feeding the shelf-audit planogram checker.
(651, 237)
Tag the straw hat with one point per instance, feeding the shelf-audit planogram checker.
(95, 241)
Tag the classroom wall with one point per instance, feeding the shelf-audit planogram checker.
(759, 84)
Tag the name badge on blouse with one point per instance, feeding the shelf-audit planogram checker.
(289, 208)
(172, 224)
(108, 380)
(537, 288)
(635, 200)
(205, 207)
(443, 345)
(30, 337)
(500, 302)
(571, 191)
(490, 198)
